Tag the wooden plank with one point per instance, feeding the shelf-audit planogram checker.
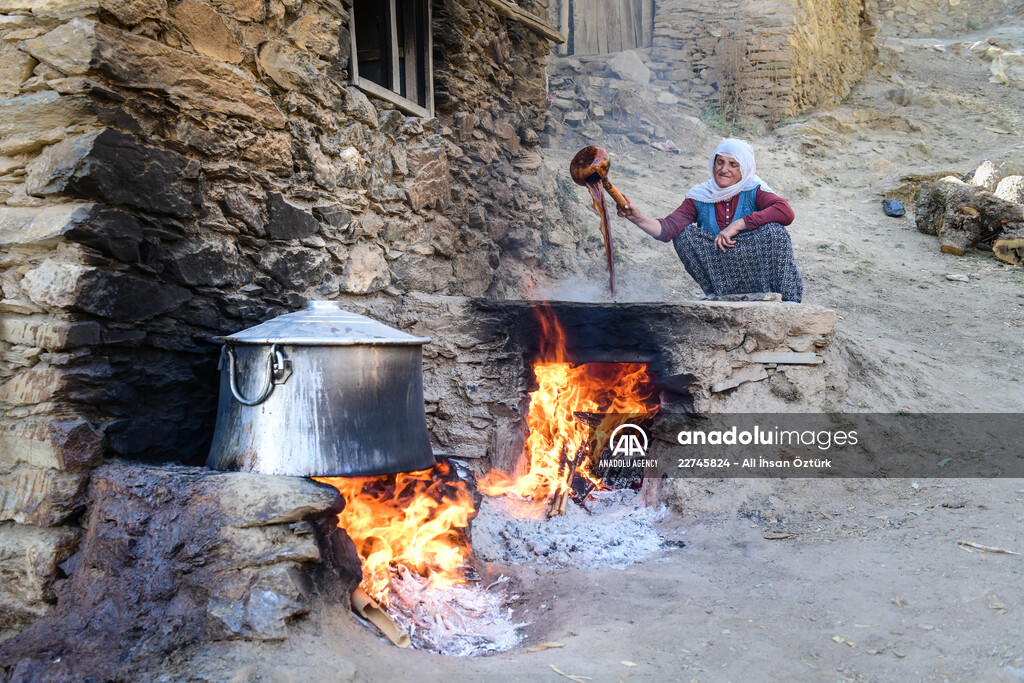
(412, 55)
(429, 57)
(787, 357)
(579, 31)
(600, 27)
(396, 85)
(626, 25)
(563, 25)
(612, 23)
(530, 21)
(586, 40)
(648, 22)
(637, 8)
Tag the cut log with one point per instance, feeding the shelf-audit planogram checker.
(1009, 247)
(986, 176)
(1011, 189)
(962, 215)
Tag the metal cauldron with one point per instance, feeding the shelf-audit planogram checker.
(321, 392)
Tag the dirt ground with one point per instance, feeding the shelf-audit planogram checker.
(872, 584)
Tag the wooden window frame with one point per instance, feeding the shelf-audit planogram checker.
(392, 95)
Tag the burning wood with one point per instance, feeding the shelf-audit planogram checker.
(409, 530)
(413, 519)
(367, 608)
(572, 415)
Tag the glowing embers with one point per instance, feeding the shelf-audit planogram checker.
(415, 520)
(571, 417)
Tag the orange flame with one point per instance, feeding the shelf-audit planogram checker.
(412, 519)
(558, 443)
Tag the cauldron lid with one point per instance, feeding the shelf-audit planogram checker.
(323, 323)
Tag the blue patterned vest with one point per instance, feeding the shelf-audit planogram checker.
(746, 205)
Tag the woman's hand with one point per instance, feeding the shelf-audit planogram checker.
(627, 211)
(724, 240)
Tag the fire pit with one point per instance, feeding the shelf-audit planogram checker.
(538, 381)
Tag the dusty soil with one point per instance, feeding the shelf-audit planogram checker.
(871, 584)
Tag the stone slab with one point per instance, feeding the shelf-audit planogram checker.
(41, 497)
(39, 226)
(116, 168)
(64, 444)
(83, 46)
(254, 500)
(44, 111)
(29, 557)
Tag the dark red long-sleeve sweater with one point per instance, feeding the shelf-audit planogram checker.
(771, 208)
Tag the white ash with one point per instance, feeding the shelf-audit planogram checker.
(461, 621)
(616, 532)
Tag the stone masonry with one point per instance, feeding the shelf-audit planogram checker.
(922, 18)
(171, 171)
(764, 59)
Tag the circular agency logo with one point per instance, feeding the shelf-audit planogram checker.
(628, 441)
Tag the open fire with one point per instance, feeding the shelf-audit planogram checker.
(572, 414)
(413, 524)
(413, 520)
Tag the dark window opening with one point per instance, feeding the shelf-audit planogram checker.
(391, 47)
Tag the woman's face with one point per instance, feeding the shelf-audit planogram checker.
(727, 171)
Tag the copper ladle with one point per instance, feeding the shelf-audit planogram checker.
(589, 167)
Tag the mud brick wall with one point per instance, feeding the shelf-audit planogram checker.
(783, 57)
(174, 171)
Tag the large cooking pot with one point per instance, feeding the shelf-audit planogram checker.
(321, 392)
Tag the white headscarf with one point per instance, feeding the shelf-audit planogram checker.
(709, 191)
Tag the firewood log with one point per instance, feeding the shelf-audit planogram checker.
(962, 215)
(1009, 247)
(986, 176)
(1011, 189)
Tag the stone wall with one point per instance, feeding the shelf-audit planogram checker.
(923, 18)
(174, 171)
(764, 59)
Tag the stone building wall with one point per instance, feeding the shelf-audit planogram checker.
(765, 59)
(174, 171)
(923, 18)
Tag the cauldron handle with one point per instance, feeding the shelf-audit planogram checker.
(278, 370)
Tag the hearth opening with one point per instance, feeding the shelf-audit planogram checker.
(425, 583)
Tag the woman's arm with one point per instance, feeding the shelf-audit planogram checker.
(664, 229)
(771, 208)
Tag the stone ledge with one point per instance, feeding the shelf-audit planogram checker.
(44, 111)
(116, 168)
(48, 332)
(43, 226)
(171, 556)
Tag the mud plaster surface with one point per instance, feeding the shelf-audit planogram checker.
(872, 563)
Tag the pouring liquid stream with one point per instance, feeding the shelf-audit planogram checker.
(601, 206)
